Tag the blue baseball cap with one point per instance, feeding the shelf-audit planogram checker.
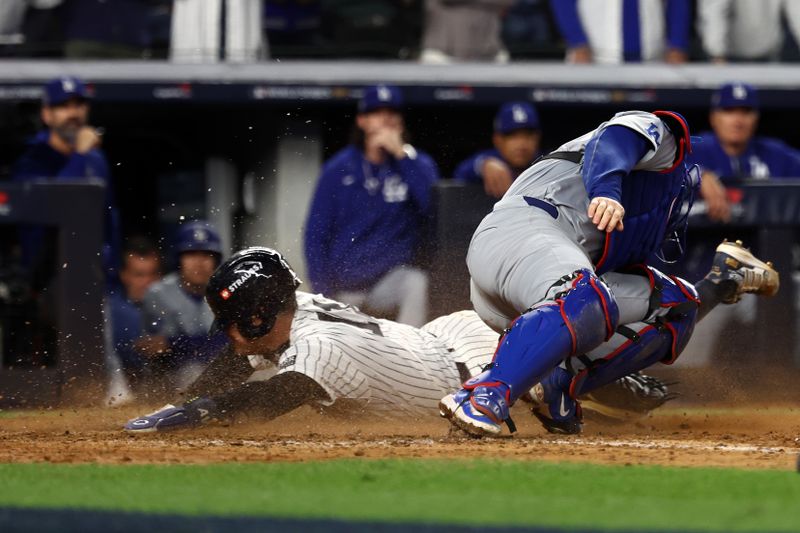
(736, 94)
(516, 116)
(59, 90)
(380, 97)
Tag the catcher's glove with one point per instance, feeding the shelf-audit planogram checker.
(629, 398)
(191, 414)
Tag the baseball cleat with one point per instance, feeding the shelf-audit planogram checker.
(736, 266)
(626, 399)
(479, 412)
(553, 406)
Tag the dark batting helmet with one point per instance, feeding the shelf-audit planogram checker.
(250, 289)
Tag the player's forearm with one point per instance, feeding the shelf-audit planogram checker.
(678, 22)
(609, 157)
(226, 372)
(270, 399)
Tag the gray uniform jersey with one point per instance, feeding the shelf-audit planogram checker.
(383, 365)
(170, 311)
(519, 251)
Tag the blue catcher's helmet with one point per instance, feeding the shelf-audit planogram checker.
(198, 236)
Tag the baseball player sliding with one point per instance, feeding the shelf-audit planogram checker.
(570, 238)
(326, 351)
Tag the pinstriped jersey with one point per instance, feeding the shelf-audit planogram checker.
(383, 365)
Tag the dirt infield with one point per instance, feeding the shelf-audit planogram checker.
(765, 437)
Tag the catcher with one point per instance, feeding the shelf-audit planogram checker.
(321, 351)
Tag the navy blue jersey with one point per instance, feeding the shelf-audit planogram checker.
(41, 160)
(764, 158)
(469, 170)
(366, 219)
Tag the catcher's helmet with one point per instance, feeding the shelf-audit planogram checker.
(253, 283)
(198, 235)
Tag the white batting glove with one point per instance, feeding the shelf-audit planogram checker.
(606, 214)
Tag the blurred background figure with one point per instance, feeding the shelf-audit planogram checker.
(209, 31)
(69, 148)
(464, 30)
(741, 30)
(732, 150)
(15, 38)
(369, 215)
(140, 267)
(175, 316)
(620, 31)
(99, 29)
(517, 137)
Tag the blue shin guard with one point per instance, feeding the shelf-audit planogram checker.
(660, 338)
(580, 318)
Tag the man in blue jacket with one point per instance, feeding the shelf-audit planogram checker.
(369, 213)
(516, 145)
(732, 150)
(69, 148)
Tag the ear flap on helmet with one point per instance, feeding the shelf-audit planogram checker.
(680, 129)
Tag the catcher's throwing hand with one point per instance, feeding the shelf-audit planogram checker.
(193, 413)
(606, 214)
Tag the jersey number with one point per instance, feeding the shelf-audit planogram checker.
(336, 312)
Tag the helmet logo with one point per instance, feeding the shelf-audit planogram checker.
(225, 294)
(247, 271)
(200, 235)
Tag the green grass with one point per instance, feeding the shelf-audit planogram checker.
(471, 492)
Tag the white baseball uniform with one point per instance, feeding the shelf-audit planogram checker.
(385, 365)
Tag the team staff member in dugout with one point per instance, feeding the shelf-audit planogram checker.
(732, 150)
(516, 145)
(369, 213)
(69, 148)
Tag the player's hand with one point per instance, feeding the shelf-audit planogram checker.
(580, 55)
(606, 214)
(191, 414)
(496, 177)
(713, 192)
(87, 139)
(390, 140)
(675, 56)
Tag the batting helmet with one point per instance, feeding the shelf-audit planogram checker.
(254, 283)
(198, 235)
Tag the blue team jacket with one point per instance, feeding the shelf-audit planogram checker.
(40, 160)
(468, 171)
(764, 158)
(366, 219)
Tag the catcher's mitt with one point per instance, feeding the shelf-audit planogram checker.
(629, 398)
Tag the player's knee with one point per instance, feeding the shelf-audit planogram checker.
(673, 305)
(588, 308)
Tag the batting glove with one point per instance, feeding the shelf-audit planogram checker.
(192, 414)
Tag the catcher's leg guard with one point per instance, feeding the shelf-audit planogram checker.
(582, 316)
(660, 338)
